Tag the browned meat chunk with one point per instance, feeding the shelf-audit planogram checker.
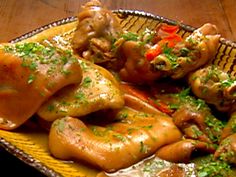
(182, 151)
(227, 149)
(230, 127)
(214, 86)
(193, 116)
(97, 28)
(198, 124)
(29, 74)
(137, 68)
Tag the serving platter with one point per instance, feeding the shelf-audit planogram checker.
(29, 142)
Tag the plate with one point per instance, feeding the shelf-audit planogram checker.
(29, 142)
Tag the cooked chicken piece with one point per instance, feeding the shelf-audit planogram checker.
(230, 127)
(214, 86)
(29, 74)
(115, 146)
(227, 149)
(97, 28)
(181, 151)
(98, 90)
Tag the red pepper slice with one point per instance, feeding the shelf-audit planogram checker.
(171, 40)
(146, 98)
(153, 52)
(160, 106)
(169, 28)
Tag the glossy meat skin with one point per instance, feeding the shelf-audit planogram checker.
(136, 136)
(98, 90)
(181, 151)
(227, 150)
(193, 117)
(214, 86)
(137, 69)
(200, 48)
(28, 77)
(230, 127)
(97, 27)
(198, 124)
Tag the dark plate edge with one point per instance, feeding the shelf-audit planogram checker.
(169, 21)
(26, 158)
(45, 27)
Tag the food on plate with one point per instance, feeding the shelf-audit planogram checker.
(95, 33)
(161, 54)
(154, 166)
(227, 150)
(98, 90)
(230, 127)
(113, 98)
(133, 136)
(181, 151)
(30, 74)
(192, 116)
(215, 86)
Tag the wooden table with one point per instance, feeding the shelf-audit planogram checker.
(21, 16)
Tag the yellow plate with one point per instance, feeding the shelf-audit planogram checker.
(29, 143)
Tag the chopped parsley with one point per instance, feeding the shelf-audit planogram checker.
(31, 78)
(50, 107)
(129, 36)
(87, 81)
(120, 137)
(143, 148)
(211, 168)
(227, 83)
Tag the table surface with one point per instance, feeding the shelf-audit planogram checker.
(18, 17)
(21, 16)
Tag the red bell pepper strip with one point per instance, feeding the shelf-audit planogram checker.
(170, 40)
(153, 52)
(169, 28)
(146, 98)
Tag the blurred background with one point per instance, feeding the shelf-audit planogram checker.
(21, 16)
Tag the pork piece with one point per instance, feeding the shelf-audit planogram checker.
(195, 51)
(193, 116)
(137, 69)
(198, 124)
(230, 127)
(97, 28)
(98, 90)
(29, 74)
(214, 86)
(174, 61)
(182, 151)
(227, 150)
(117, 145)
(153, 167)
